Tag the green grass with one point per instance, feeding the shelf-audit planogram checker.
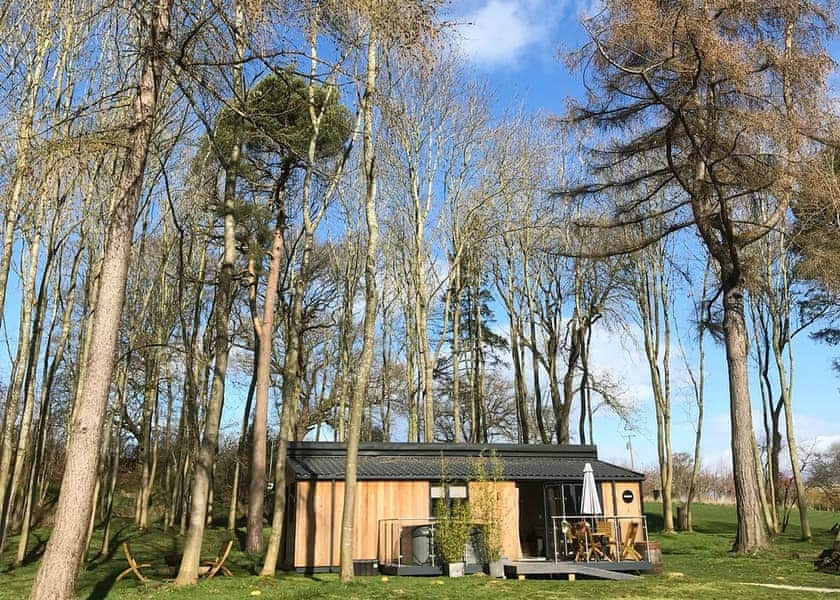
(697, 565)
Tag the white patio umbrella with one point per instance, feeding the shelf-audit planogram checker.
(590, 504)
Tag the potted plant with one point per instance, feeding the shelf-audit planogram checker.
(488, 510)
(452, 529)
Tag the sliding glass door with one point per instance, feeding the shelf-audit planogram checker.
(562, 501)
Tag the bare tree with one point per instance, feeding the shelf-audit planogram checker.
(651, 283)
(697, 377)
(57, 573)
(201, 487)
(328, 129)
(723, 121)
(772, 297)
(366, 358)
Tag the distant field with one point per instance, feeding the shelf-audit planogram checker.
(696, 566)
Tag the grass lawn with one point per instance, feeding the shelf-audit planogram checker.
(696, 566)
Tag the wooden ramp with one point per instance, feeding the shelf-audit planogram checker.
(614, 571)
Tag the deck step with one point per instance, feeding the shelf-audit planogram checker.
(617, 571)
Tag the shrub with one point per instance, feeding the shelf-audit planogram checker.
(488, 506)
(452, 529)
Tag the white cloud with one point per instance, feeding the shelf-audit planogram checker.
(494, 33)
(500, 32)
(823, 442)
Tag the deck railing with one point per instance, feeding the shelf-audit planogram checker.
(400, 538)
(580, 538)
(592, 538)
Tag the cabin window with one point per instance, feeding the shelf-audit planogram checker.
(564, 499)
(448, 492)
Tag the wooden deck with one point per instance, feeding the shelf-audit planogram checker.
(623, 570)
(423, 570)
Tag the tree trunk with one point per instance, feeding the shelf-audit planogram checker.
(369, 327)
(150, 400)
(780, 340)
(563, 406)
(784, 338)
(508, 295)
(115, 468)
(699, 384)
(751, 535)
(22, 165)
(57, 574)
(695, 471)
(240, 448)
(771, 410)
(584, 384)
(456, 357)
(22, 369)
(292, 368)
(51, 366)
(428, 368)
(254, 539)
(411, 388)
(762, 490)
(204, 463)
(291, 396)
(801, 497)
(206, 458)
(22, 453)
(346, 343)
(535, 366)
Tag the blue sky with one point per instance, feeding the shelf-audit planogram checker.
(518, 47)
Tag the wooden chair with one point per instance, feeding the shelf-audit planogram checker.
(579, 545)
(133, 567)
(586, 546)
(628, 548)
(604, 530)
(218, 564)
(596, 551)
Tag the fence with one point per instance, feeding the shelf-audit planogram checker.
(411, 541)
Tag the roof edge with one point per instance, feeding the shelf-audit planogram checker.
(437, 448)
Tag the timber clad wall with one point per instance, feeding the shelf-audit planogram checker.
(319, 503)
(316, 509)
(607, 495)
(509, 495)
(614, 505)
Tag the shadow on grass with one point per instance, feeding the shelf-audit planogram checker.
(716, 527)
(116, 543)
(34, 553)
(655, 522)
(240, 538)
(102, 588)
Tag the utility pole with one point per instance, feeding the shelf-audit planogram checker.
(630, 437)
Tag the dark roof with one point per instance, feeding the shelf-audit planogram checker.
(382, 461)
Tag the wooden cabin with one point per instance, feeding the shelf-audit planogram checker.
(398, 484)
